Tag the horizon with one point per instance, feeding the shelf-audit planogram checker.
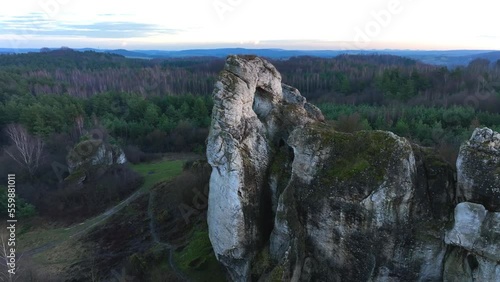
(247, 48)
(213, 24)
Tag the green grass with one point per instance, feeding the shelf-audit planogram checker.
(197, 252)
(197, 259)
(155, 172)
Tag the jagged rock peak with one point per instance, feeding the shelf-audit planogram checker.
(250, 86)
(485, 138)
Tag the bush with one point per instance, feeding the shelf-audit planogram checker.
(135, 155)
(351, 123)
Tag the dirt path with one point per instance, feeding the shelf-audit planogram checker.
(105, 215)
(52, 238)
(156, 239)
(91, 223)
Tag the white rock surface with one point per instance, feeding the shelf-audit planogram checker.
(478, 232)
(248, 115)
(94, 153)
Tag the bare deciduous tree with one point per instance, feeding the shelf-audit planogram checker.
(28, 149)
(79, 125)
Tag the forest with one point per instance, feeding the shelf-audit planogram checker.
(151, 107)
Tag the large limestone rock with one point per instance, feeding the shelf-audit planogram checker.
(252, 111)
(478, 169)
(291, 199)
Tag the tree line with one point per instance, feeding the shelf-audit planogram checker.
(51, 100)
(155, 124)
(350, 79)
(442, 128)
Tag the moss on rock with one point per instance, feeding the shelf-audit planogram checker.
(84, 150)
(277, 274)
(76, 176)
(361, 156)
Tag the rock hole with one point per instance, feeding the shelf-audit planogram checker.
(262, 103)
(473, 263)
(281, 143)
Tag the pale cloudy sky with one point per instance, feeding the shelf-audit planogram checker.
(288, 24)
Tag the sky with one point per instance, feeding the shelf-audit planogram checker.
(286, 24)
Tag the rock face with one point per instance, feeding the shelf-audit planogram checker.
(478, 169)
(477, 234)
(252, 110)
(293, 200)
(476, 230)
(91, 155)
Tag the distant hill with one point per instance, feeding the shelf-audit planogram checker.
(448, 58)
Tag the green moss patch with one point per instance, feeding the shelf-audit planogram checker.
(261, 263)
(347, 169)
(76, 175)
(361, 156)
(277, 274)
(84, 150)
(279, 162)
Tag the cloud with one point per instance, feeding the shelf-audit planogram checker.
(37, 25)
(116, 29)
(489, 36)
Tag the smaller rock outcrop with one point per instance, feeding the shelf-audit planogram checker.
(475, 230)
(91, 155)
(476, 233)
(478, 169)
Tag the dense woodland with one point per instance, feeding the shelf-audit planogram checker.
(150, 107)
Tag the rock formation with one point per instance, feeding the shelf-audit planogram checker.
(252, 111)
(293, 200)
(476, 229)
(478, 169)
(90, 156)
(476, 233)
